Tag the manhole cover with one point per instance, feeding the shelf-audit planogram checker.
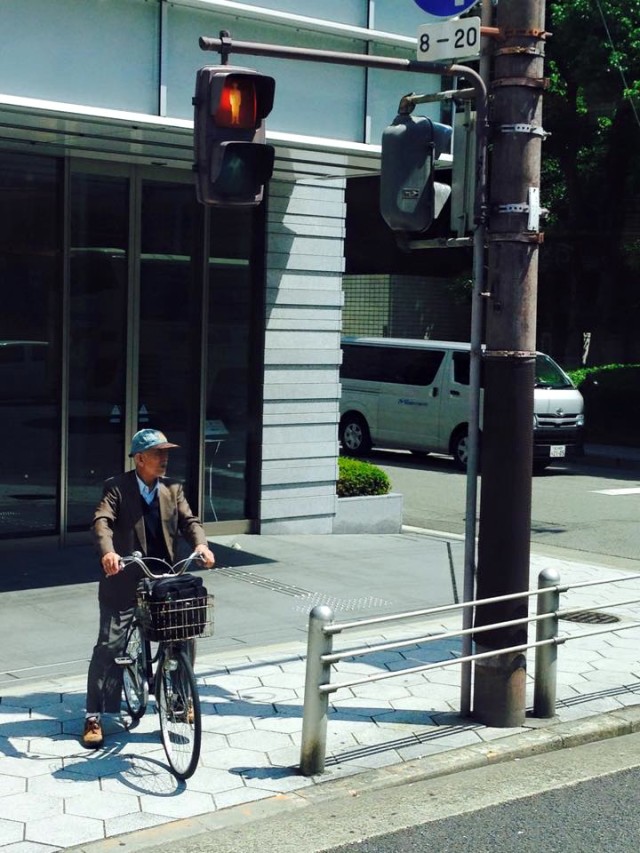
(590, 617)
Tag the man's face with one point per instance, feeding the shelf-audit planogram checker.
(152, 464)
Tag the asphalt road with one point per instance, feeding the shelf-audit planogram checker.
(570, 507)
(599, 815)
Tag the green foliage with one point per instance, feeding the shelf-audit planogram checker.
(591, 171)
(360, 478)
(611, 402)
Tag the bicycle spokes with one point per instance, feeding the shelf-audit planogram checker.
(179, 710)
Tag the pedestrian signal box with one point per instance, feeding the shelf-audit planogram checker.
(410, 197)
(233, 162)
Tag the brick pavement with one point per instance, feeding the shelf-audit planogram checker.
(55, 795)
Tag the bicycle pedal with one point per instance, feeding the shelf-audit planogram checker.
(124, 660)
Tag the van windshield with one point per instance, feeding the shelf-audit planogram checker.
(549, 375)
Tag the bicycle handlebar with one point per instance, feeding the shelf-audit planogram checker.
(174, 570)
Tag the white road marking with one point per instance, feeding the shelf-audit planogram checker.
(633, 491)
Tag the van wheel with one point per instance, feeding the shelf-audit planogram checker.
(459, 448)
(354, 435)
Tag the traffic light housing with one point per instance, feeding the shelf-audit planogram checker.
(410, 197)
(232, 160)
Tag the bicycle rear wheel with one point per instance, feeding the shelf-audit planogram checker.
(135, 684)
(179, 709)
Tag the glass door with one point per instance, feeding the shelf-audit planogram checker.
(170, 330)
(162, 306)
(30, 344)
(98, 299)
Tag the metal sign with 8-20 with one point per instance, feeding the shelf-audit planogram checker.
(449, 40)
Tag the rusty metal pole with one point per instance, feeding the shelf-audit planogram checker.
(514, 238)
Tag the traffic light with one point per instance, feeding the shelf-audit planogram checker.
(410, 198)
(232, 159)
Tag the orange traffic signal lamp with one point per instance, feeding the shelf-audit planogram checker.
(233, 162)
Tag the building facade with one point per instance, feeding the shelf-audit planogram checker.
(125, 303)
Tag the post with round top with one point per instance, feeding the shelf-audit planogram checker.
(316, 703)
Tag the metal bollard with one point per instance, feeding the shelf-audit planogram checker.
(314, 715)
(544, 695)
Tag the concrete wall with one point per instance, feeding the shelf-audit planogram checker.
(305, 236)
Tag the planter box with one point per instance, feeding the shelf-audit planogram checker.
(369, 514)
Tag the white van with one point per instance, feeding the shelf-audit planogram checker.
(414, 395)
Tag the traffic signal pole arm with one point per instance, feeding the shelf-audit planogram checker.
(225, 45)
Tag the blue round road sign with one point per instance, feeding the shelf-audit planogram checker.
(445, 8)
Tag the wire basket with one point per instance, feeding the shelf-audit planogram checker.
(179, 619)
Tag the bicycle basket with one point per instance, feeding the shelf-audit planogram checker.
(179, 619)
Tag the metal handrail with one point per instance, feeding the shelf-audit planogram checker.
(425, 667)
(336, 657)
(338, 627)
(320, 654)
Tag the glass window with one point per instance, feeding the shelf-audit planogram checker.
(360, 362)
(98, 333)
(549, 374)
(411, 367)
(391, 364)
(345, 11)
(461, 367)
(170, 311)
(30, 283)
(102, 54)
(231, 414)
(325, 114)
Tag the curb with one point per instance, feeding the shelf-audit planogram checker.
(544, 736)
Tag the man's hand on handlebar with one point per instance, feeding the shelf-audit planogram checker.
(112, 563)
(206, 555)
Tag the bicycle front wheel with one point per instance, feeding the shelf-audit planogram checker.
(134, 676)
(179, 709)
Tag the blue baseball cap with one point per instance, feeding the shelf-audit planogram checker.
(149, 439)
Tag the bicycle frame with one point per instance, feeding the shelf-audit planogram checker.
(173, 682)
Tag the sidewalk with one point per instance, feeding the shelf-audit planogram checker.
(55, 795)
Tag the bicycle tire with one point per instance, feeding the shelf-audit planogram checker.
(135, 684)
(178, 704)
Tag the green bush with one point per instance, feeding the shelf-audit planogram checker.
(611, 402)
(356, 478)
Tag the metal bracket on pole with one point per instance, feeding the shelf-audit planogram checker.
(434, 243)
(531, 82)
(517, 33)
(520, 50)
(532, 129)
(225, 46)
(532, 208)
(512, 208)
(516, 237)
(408, 102)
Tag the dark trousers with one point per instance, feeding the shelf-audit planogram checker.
(104, 680)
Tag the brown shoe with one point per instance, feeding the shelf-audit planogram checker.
(92, 737)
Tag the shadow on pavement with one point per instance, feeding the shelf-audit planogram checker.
(40, 567)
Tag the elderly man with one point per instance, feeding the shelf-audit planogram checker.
(144, 511)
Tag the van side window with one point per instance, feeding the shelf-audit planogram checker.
(461, 369)
(413, 367)
(461, 363)
(360, 362)
(390, 364)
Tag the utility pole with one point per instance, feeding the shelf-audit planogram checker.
(514, 238)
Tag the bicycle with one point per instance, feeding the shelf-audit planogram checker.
(174, 625)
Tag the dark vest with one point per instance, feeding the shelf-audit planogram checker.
(153, 529)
